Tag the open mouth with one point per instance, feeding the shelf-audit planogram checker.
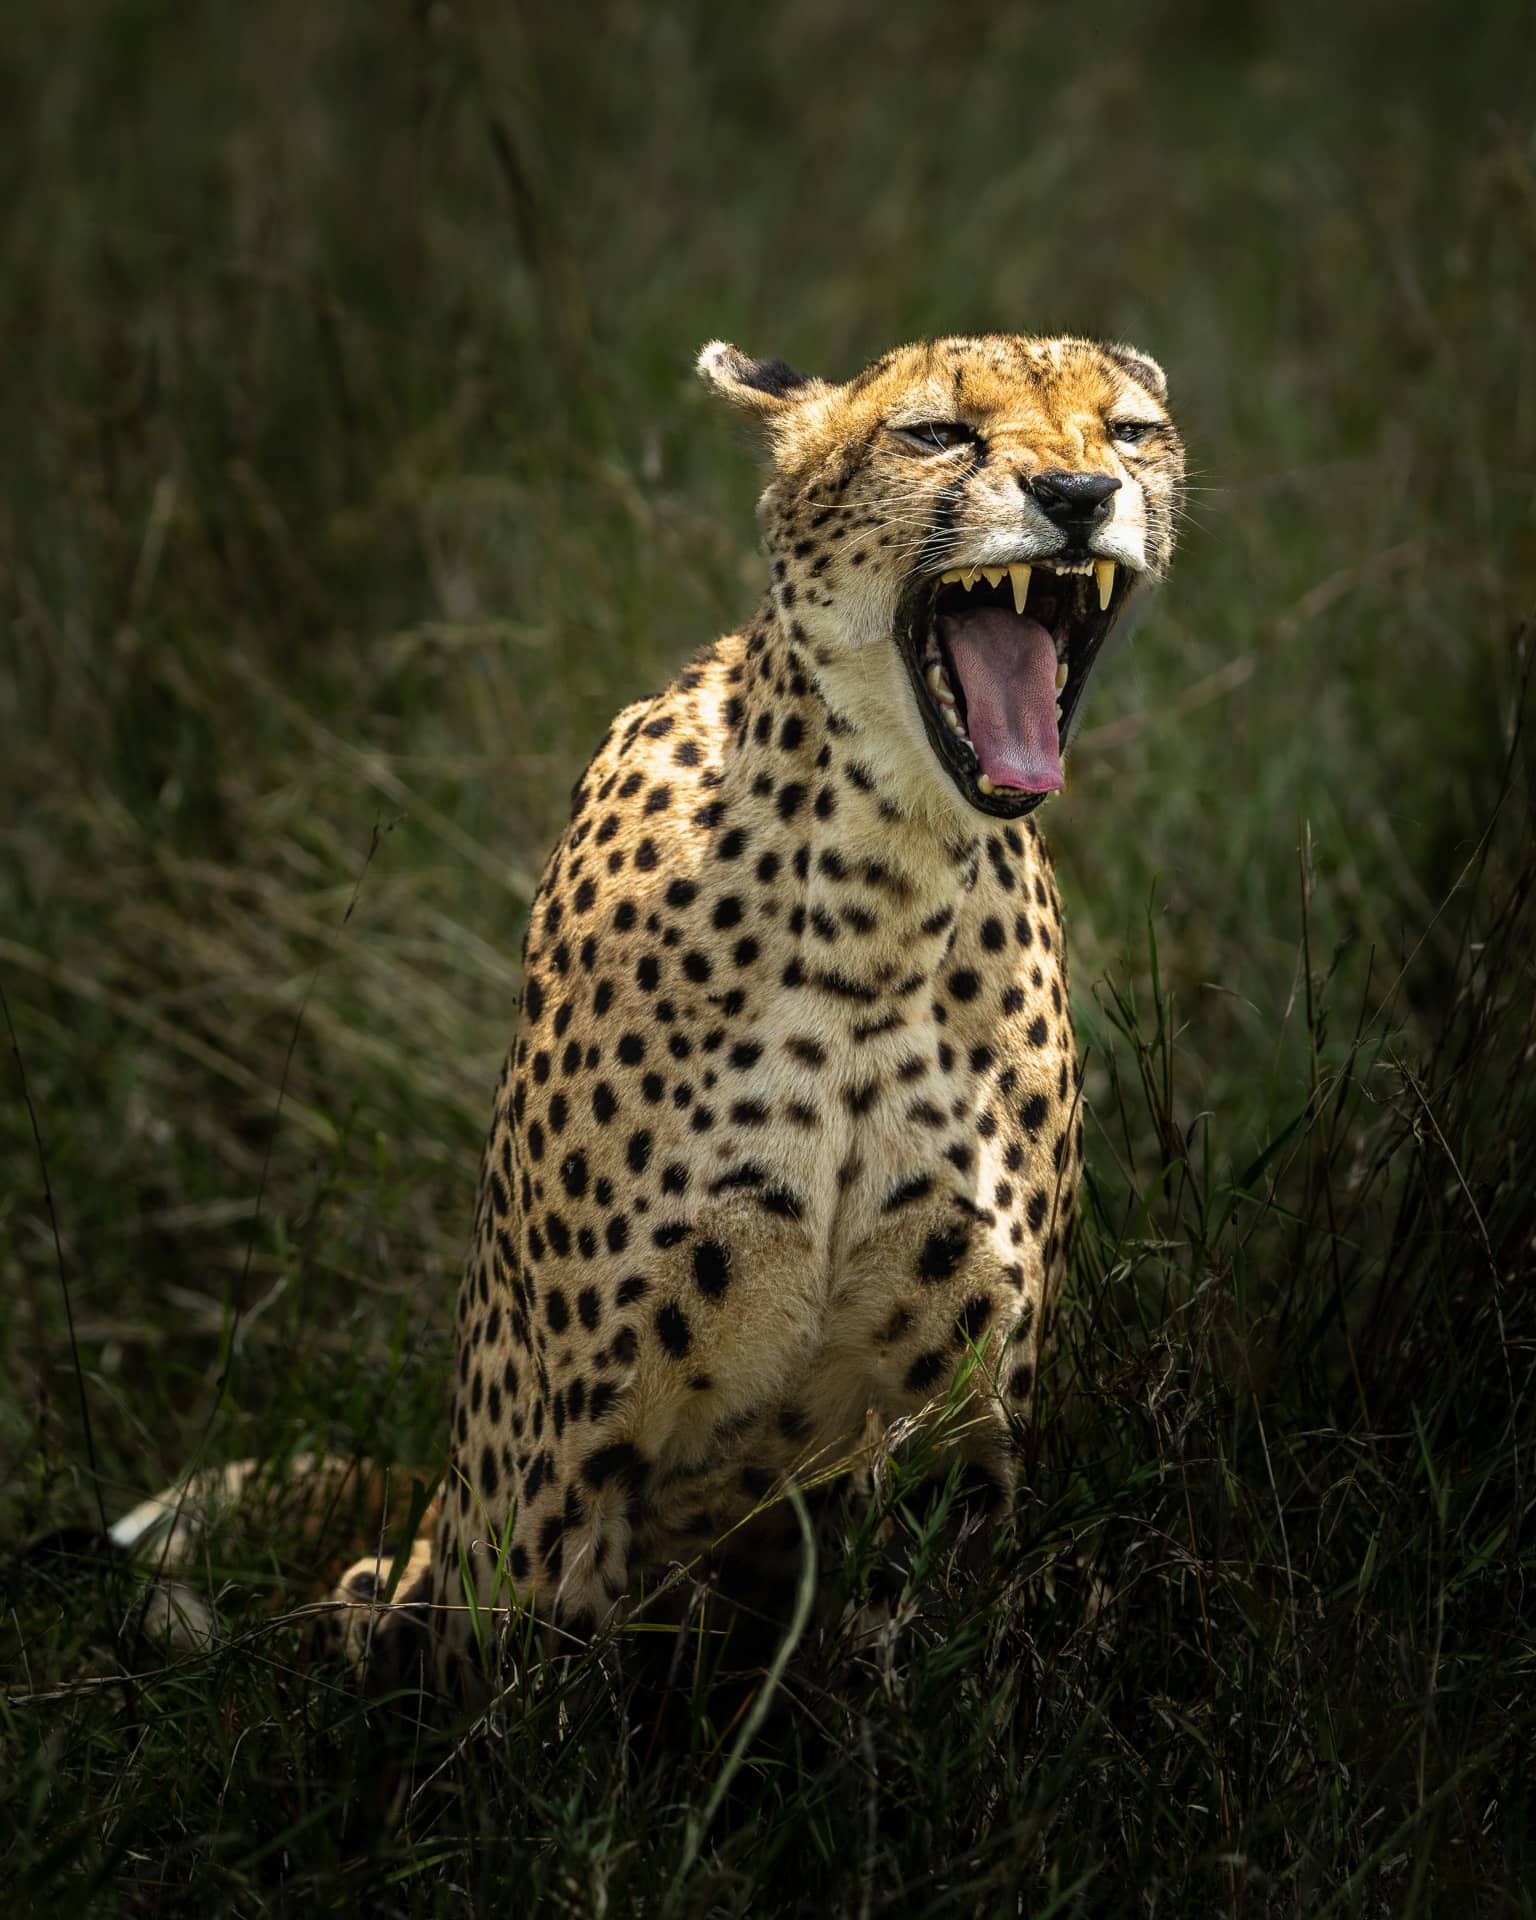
(999, 657)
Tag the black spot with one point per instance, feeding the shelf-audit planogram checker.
(748, 1174)
(622, 1461)
(941, 1255)
(917, 1188)
(711, 1268)
(925, 1369)
(859, 1099)
(673, 1331)
(972, 1318)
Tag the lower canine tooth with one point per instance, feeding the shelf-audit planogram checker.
(934, 676)
(985, 784)
(1061, 676)
(1104, 574)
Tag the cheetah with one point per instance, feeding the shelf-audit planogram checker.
(786, 1147)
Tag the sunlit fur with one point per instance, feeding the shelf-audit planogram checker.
(784, 1156)
(851, 513)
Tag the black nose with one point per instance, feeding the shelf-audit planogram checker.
(1073, 499)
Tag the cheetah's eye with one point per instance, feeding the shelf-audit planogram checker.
(936, 436)
(1129, 432)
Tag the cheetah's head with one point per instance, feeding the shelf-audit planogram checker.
(955, 533)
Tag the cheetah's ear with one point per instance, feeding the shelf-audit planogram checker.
(1143, 368)
(763, 388)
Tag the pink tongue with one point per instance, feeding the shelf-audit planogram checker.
(1007, 667)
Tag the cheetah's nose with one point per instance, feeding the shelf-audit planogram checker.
(1075, 500)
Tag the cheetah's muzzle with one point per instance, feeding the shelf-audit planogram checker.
(999, 657)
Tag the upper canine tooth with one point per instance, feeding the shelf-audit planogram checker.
(993, 575)
(1104, 574)
(1019, 575)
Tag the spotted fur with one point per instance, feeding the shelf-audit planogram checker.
(788, 1139)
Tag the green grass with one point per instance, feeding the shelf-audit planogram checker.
(351, 474)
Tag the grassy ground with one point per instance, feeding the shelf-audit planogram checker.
(350, 476)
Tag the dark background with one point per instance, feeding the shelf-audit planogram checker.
(352, 474)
